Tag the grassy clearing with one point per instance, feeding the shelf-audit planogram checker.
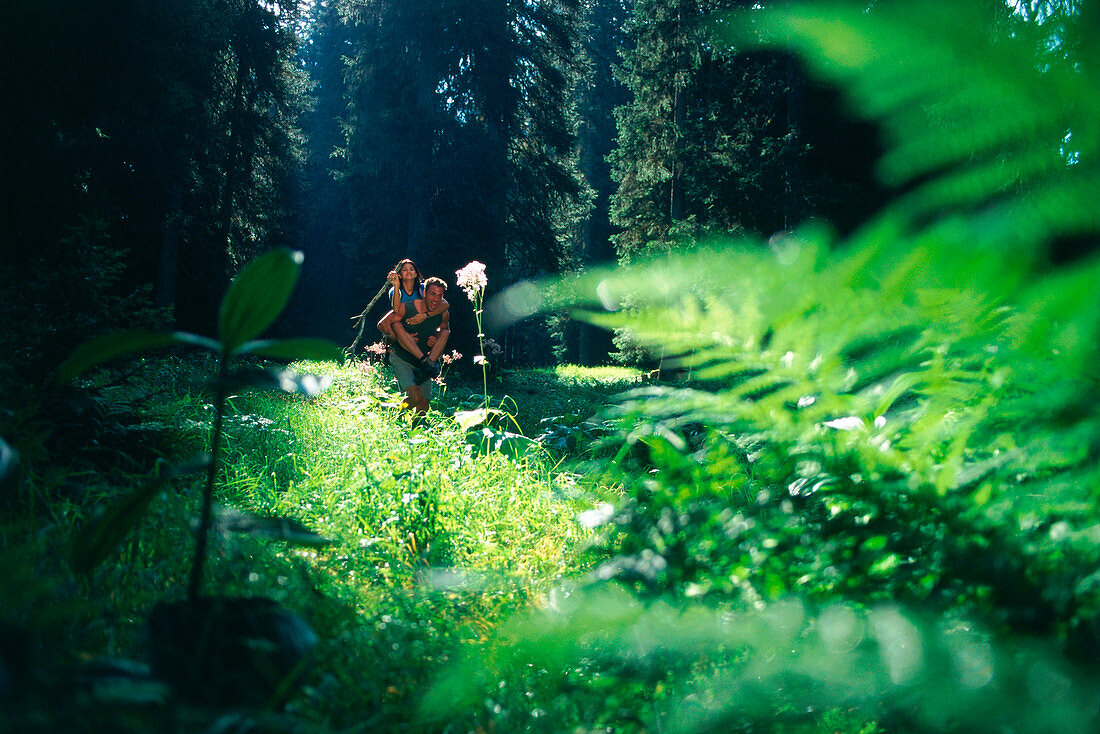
(562, 406)
(432, 544)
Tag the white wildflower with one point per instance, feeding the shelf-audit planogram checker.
(472, 279)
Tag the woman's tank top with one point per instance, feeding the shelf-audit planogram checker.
(408, 298)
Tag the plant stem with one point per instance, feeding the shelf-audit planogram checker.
(199, 559)
(481, 348)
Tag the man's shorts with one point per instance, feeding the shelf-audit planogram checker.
(405, 375)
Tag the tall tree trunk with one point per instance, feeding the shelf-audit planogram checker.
(224, 222)
(593, 343)
(587, 344)
(676, 185)
(796, 111)
(168, 265)
(420, 173)
(679, 116)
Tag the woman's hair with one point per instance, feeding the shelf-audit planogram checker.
(397, 269)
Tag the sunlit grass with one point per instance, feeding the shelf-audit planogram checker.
(606, 377)
(432, 543)
(350, 466)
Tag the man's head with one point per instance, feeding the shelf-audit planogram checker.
(434, 288)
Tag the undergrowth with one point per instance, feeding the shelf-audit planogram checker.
(431, 544)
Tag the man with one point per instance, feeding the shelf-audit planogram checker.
(430, 334)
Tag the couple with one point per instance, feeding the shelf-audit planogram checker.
(418, 325)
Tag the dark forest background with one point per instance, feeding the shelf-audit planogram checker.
(153, 148)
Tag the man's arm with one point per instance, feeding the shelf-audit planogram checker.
(422, 312)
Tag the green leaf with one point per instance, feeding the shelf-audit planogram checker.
(467, 419)
(258, 378)
(257, 296)
(510, 444)
(268, 526)
(290, 349)
(95, 540)
(121, 343)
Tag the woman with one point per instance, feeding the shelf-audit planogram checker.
(407, 304)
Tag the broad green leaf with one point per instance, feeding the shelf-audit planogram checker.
(121, 343)
(467, 419)
(885, 658)
(268, 526)
(290, 349)
(257, 296)
(120, 683)
(258, 378)
(510, 444)
(95, 540)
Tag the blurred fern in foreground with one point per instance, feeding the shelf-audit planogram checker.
(982, 128)
(906, 417)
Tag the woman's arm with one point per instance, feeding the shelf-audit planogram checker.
(395, 293)
(420, 314)
(443, 306)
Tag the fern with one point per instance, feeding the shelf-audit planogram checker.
(978, 124)
(907, 415)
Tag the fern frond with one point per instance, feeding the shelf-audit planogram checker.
(979, 123)
(734, 666)
(909, 416)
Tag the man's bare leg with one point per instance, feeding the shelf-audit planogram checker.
(415, 399)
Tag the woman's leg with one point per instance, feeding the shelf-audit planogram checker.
(385, 324)
(405, 339)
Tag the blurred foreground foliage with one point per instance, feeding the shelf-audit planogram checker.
(872, 491)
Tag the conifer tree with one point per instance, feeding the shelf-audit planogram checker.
(598, 92)
(717, 139)
(704, 140)
(247, 171)
(331, 287)
(458, 135)
(128, 140)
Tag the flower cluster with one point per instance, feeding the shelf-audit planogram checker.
(446, 360)
(472, 279)
(493, 349)
(375, 353)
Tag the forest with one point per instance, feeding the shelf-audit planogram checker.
(763, 382)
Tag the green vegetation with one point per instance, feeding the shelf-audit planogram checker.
(875, 494)
(430, 543)
(857, 495)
